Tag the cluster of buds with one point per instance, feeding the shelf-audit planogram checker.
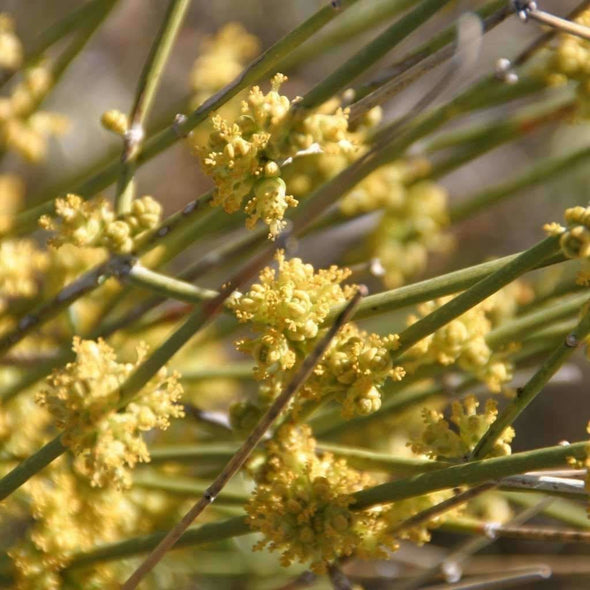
(84, 398)
(94, 224)
(244, 157)
(288, 307)
(353, 370)
(301, 504)
(440, 441)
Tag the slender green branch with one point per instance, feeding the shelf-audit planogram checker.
(477, 293)
(169, 287)
(467, 474)
(359, 19)
(429, 289)
(30, 466)
(384, 462)
(443, 40)
(371, 53)
(440, 49)
(540, 171)
(206, 533)
(525, 325)
(147, 86)
(472, 473)
(262, 66)
(534, 386)
(186, 486)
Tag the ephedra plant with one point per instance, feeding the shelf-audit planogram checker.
(147, 360)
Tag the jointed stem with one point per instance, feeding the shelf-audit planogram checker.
(534, 386)
(144, 98)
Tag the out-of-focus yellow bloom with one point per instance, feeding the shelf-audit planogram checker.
(12, 192)
(83, 399)
(570, 61)
(21, 267)
(11, 50)
(24, 129)
(223, 57)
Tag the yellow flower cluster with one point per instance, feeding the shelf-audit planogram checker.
(93, 223)
(570, 60)
(11, 50)
(244, 157)
(288, 307)
(353, 370)
(463, 341)
(83, 399)
(440, 441)
(223, 57)
(68, 516)
(24, 129)
(301, 504)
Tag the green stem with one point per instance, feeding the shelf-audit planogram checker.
(468, 474)
(472, 473)
(206, 533)
(426, 50)
(358, 20)
(429, 289)
(525, 325)
(399, 76)
(30, 466)
(538, 172)
(485, 93)
(186, 486)
(149, 81)
(160, 141)
(169, 287)
(477, 293)
(371, 53)
(534, 386)
(499, 133)
(370, 460)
